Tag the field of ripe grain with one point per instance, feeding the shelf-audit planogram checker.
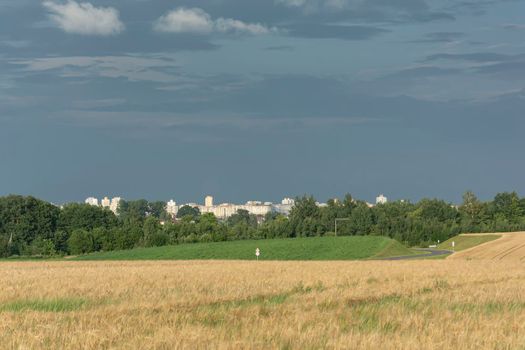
(260, 305)
(511, 246)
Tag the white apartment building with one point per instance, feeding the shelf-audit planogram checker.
(285, 206)
(105, 202)
(381, 199)
(225, 210)
(92, 201)
(111, 204)
(288, 201)
(114, 204)
(172, 208)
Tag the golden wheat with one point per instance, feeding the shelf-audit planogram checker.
(261, 305)
(511, 246)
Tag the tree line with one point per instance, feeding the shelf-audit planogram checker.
(32, 227)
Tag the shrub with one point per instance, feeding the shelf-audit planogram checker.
(80, 242)
(158, 239)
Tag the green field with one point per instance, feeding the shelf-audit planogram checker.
(466, 241)
(316, 248)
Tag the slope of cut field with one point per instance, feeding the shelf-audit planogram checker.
(511, 246)
(316, 248)
(467, 241)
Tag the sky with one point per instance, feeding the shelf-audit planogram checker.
(261, 99)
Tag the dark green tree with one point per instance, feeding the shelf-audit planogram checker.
(23, 219)
(187, 211)
(151, 229)
(81, 242)
(158, 210)
(133, 212)
(303, 216)
(242, 215)
(84, 216)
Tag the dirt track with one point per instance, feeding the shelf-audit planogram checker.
(511, 246)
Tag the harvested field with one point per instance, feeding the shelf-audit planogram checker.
(468, 240)
(511, 246)
(239, 304)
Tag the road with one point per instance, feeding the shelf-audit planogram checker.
(430, 253)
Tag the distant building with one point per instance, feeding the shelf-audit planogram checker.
(285, 207)
(221, 211)
(171, 208)
(105, 203)
(381, 199)
(288, 201)
(114, 204)
(92, 201)
(257, 208)
(111, 204)
(225, 210)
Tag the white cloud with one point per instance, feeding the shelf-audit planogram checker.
(316, 5)
(183, 20)
(514, 26)
(196, 20)
(84, 18)
(131, 67)
(232, 25)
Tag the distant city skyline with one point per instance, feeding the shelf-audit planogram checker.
(373, 199)
(220, 210)
(223, 210)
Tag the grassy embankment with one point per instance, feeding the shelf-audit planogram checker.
(316, 248)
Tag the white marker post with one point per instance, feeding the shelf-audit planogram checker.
(257, 253)
(453, 245)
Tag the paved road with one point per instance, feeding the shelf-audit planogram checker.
(430, 252)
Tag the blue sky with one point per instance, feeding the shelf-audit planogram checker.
(261, 99)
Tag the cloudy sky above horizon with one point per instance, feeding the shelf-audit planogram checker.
(261, 99)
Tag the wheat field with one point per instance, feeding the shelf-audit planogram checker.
(262, 305)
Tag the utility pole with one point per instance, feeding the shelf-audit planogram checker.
(340, 219)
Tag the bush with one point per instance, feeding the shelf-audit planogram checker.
(158, 239)
(80, 242)
(4, 249)
(205, 238)
(192, 238)
(42, 247)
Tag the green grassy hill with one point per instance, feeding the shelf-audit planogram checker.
(466, 241)
(317, 248)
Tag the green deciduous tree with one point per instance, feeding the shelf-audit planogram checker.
(84, 216)
(81, 242)
(187, 211)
